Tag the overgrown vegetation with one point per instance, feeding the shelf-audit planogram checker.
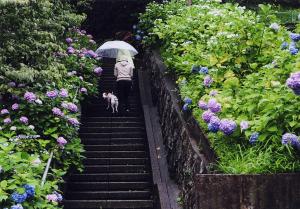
(47, 66)
(238, 72)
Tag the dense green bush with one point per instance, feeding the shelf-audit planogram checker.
(231, 64)
(47, 66)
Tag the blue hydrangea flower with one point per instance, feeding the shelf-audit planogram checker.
(18, 206)
(213, 128)
(18, 198)
(30, 190)
(203, 70)
(295, 36)
(195, 69)
(289, 138)
(294, 51)
(253, 138)
(284, 45)
(59, 196)
(227, 126)
(185, 107)
(188, 100)
(138, 37)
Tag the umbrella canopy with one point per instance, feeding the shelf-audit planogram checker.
(111, 49)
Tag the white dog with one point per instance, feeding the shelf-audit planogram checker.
(112, 101)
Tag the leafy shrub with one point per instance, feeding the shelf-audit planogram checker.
(46, 68)
(232, 63)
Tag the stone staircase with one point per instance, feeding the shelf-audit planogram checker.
(117, 173)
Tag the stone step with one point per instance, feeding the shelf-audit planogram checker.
(114, 154)
(135, 134)
(112, 195)
(115, 147)
(111, 119)
(89, 169)
(108, 204)
(108, 141)
(111, 130)
(109, 186)
(105, 177)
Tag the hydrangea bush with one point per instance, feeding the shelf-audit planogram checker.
(46, 68)
(240, 69)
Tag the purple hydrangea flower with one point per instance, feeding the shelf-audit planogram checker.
(63, 93)
(17, 206)
(207, 81)
(24, 120)
(83, 31)
(185, 107)
(203, 70)
(57, 111)
(187, 100)
(215, 121)
(214, 106)
(15, 106)
(227, 126)
(244, 125)
(284, 45)
(91, 53)
(295, 36)
(213, 93)
(69, 40)
(73, 121)
(7, 121)
(4, 111)
(29, 96)
(72, 107)
(51, 94)
(12, 84)
(253, 138)
(293, 82)
(64, 105)
(18, 198)
(289, 138)
(71, 50)
(206, 116)
(202, 105)
(30, 190)
(89, 36)
(61, 141)
(98, 70)
(21, 85)
(83, 90)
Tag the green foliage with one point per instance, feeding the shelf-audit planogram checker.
(249, 70)
(34, 58)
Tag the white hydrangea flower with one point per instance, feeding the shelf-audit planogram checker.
(31, 127)
(274, 26)
(36, 162)
(38, 101)
(13, 128)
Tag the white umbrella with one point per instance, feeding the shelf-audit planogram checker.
(111, 49)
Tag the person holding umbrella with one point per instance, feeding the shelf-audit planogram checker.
(123, 71)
